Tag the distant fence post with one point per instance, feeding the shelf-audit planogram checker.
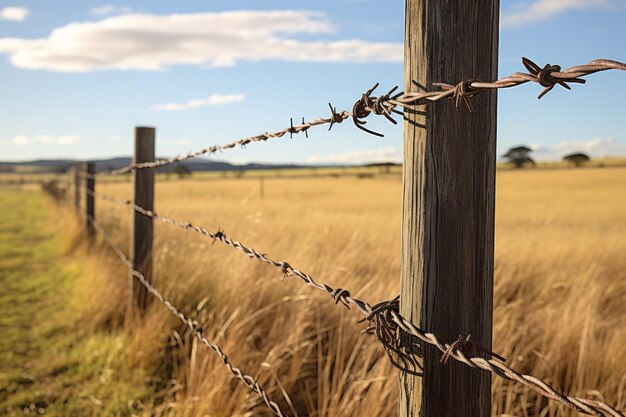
(448, 202)
(90, 203)
(76, 172)
(142, 228)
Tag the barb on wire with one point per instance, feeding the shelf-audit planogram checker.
(459, 351)
(403, 354)
(392, 330)
(193, 326)
(547, 76)
(387, 324)
(340, 295)
(378, 105)
(291, 130)
(406, 102)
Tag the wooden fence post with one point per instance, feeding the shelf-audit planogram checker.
(76, 172)
(448, 202)
(142, 227)
(90, 206)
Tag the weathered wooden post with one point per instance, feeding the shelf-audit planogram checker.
(448, 202)
(90, 206)
(142, 229)
(76, 172)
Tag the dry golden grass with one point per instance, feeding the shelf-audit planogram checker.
(560, 290)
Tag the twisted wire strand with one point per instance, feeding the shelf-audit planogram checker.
(338, 294)
(291, 130)
(547, 76)
(193, 326)
(387, 104)
(456, 350)
(499, 368)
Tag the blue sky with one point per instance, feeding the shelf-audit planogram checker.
(76, 76)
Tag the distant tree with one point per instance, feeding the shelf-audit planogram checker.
(384, 167)
(577, 159)
(181, 170)
(519, 156)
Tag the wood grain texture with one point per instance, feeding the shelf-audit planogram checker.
(448, 202)
(90, 203)
(142, 233)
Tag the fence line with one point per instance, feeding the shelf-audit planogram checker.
(293, 129)
(387, 324)
(384, 319)
(339, 294)
(193, 326)
(386, 105)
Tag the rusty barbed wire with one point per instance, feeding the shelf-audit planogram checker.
(340, 295)
(291, 130)
(547, 76)
(386, 323)
(387, 104)
(499, 368)
(193, 326)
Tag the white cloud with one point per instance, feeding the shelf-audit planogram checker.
(212, 100)
(16, 14)
(183, 141)
(109, 9)
(538, 10)
(358, 157)
(151, 42)
(595, 147)
(45, 139)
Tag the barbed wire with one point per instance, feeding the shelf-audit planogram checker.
(291, 130)
(339, 294)
(193, 326)
(386, 323)
(386, 105)
(547, 76)
(460, 349)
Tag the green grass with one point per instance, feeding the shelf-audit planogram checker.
(49, 363)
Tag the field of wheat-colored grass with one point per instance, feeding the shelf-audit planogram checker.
(560, 291)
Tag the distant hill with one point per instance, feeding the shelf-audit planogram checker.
(194, 164)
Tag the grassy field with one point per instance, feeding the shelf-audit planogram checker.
(560, 292)
(50, 362)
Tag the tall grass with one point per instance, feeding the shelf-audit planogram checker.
(560, 291)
